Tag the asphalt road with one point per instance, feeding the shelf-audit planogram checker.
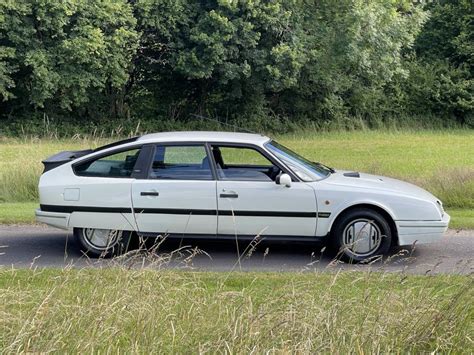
(40, 246)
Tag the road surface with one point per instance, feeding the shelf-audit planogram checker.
(40, 246)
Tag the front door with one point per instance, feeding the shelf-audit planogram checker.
(249, 201)
(179, 196)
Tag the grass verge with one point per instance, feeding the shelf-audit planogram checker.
(18, 213)
(24, 213)
(461, 219)
(118, 310)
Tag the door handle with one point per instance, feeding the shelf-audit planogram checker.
(229, 195)
(149, 193)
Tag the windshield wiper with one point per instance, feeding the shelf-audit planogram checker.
(332, 171)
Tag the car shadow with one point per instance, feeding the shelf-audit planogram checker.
(204, 254)
(58, 249)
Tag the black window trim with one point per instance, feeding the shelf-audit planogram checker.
(115, 144)
(147, 153)
(105, 154)
(181, 144)
(261, 150)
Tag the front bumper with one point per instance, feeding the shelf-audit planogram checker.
(55, 219)
(421, 232)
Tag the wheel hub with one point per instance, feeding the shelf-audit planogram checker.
(101, 239)
(362, 237)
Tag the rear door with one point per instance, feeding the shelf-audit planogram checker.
(250, 202)
(179, 195)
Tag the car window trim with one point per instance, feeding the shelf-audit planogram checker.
(261, 150)
(180, 144)
(103, 155)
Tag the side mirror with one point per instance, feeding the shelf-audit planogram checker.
(283, 179)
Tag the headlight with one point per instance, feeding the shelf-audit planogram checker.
(440, 207)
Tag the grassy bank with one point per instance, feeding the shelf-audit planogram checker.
(93, 310)
(440, 161)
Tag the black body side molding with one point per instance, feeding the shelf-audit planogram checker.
(182, 211)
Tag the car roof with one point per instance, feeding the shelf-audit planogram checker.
(204, 136)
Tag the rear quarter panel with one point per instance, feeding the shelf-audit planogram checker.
(61, 187)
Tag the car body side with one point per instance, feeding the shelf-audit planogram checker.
(413, 213)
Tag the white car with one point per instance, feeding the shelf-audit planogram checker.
(228, 185)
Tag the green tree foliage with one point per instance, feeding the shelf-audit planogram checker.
(449, 33)
(251, 57)
(211, 53)
(59, 54)
(265, 62)
(354, 50)
(441, 78)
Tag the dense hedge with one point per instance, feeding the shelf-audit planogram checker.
(266, 64)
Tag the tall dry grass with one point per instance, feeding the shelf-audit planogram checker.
(128, 310)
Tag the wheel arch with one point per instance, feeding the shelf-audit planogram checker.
(377, 208)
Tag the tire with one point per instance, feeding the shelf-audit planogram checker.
(361, 235)
(102, 242)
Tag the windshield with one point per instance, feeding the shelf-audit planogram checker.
(306, 170)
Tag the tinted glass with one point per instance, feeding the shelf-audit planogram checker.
(243, 164)
(181, 163)
(114, 165)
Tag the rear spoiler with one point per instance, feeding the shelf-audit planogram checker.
(62, 158)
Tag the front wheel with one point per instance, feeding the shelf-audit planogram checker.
(361, 234)
(102, 242)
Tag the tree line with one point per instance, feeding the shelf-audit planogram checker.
(269, 63)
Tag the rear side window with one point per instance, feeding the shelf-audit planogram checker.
(115, 165)
(181, 163)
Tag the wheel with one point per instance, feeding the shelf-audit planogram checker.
(361, 234)
(102, 242)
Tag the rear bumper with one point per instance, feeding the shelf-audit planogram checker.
(421, 232)
(55, 219)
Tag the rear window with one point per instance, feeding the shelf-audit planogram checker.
(114, 165)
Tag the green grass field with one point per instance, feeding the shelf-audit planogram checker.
(138, 311)
(440, 161)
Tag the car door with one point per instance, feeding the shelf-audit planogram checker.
(179, 194)
(251, 203)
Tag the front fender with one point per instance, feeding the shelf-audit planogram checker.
(360, 202)
(398, 207)
(325, 224)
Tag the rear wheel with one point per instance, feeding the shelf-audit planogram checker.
(102, 242)
(361, 234)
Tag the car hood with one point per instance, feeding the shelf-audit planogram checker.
(376, 182)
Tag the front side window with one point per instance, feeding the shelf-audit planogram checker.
(175, 162)
(243, 164)
(305, 169)
(115, 165)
